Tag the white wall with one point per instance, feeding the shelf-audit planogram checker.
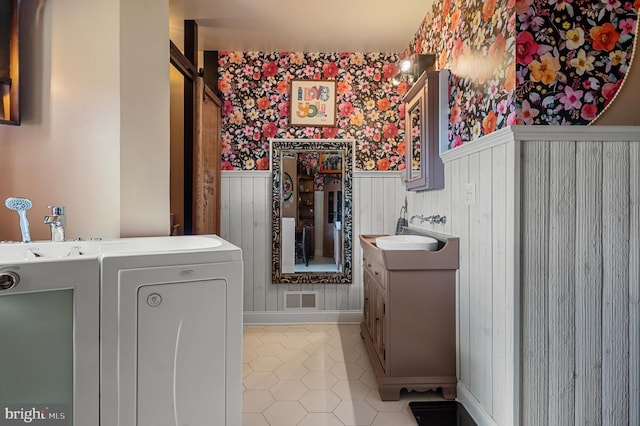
(246, 222)
(92, 138)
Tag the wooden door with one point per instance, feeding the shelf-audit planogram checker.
(206, 161)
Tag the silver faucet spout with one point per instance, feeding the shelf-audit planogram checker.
(58, 223)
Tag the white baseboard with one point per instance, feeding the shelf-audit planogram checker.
(473, 407)
(294, 317)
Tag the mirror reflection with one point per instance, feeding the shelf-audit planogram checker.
(311, 211)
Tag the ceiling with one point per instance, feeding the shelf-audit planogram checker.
(304, 26)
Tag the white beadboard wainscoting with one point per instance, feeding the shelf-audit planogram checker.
(246, 222)
(548, 288)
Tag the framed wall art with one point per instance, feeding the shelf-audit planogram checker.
(313, 103)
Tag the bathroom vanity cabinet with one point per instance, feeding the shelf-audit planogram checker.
(409, 323)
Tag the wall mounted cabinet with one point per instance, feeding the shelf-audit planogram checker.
(9, 62)
(426, 121)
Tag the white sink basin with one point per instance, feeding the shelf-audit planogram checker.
(407, 242)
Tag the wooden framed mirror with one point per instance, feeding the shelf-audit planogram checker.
(10, 62)
(312, 211)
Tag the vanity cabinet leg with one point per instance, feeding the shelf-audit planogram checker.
(449, 392)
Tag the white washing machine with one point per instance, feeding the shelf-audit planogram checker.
(171, 335)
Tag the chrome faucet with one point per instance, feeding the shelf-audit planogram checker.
(58, 223)
(416, 216)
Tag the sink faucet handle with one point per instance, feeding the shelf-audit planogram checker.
(57, 210)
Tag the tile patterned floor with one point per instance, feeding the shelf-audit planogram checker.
(315, 375)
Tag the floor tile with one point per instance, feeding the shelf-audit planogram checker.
(285, 413)
(320, 401)
(288, 390)
(316, 375)
(321, 419)
(256, 401)
(355, 413)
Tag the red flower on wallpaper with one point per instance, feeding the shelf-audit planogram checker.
(403, 87)
(604, 37)
(343, 88)
(270, 69)
(497, 49)
(383, 164)
(401, 148)
(283, 86)
(330, 70)
(270, 130)
(390, 70)
(330, 132)
(455, 20)
(589, 112)
(489, 122)
(263, 102)
(446, 8)
(226, 165)
(262, 163)
(390, 130)
(488, 9)
(526, 47)
(346, 109)
(383, 104)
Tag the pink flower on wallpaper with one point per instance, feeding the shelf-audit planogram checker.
(283, 109)
(227, 108)
(526, 47)
(457, 141)
(270, 130)
(226, 165)
(527, 114)
(627, 26)
(330, 70)
(346, 109)
(572, 99)
(270, 69)
(609, 90)
(390, 130)
(589, 112)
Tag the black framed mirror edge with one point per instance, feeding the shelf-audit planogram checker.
(276, 147)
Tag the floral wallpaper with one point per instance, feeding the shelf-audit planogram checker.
(572, 56)
(533, 62)
(530, 62)
(475, 40)
(255, 96)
